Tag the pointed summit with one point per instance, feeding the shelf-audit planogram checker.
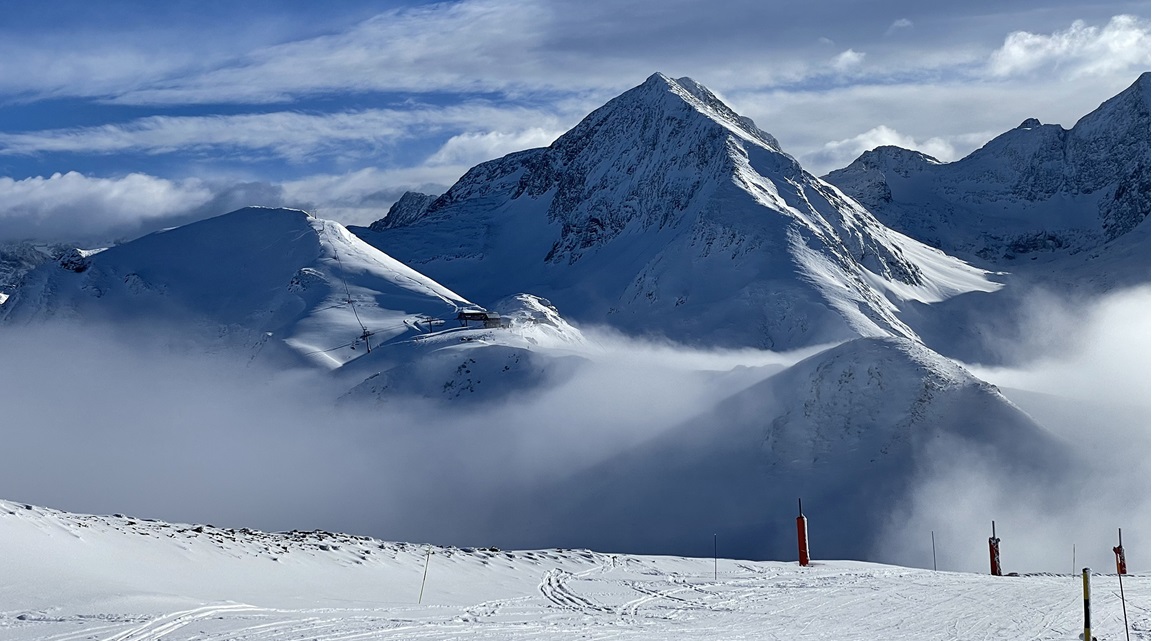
(665, 211)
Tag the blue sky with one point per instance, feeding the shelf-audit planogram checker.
(120, 117)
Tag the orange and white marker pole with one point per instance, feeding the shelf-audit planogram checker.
(994, 551)
(802, 535)
(1121, 564)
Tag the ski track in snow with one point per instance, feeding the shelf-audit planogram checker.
(92, 578)
(640, 599)
(162, 626)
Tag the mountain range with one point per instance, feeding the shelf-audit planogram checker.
(666, 216)
(1038, 191)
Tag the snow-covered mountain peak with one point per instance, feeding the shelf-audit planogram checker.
(664, 210)
(262, 275)
(1036, 188)
(658, 89)
(871, 398)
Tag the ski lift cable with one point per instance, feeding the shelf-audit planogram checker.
(330, 349)
(347, 291)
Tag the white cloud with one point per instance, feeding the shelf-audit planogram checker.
(74, 206)
(902, 23)
(847, 60)
(839, 153)
(1082, 49)
(965, 113)
(471, 148)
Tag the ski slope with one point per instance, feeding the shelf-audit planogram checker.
(69, 577)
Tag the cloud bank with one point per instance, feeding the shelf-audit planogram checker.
(1087, 379)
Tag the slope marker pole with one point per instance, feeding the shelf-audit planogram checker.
(802, 535)
(715, 560)
(1121, 564)
(1087, 608)
(933, 550)
(427, 558)
(1121, 570)
(994, 552)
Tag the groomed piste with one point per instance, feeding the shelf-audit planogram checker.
(117, 578)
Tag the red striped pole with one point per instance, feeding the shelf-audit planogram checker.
(1121, 564)
(994, 551)
(802, 535)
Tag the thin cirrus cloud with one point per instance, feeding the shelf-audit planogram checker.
(438, 47)
(295, 136)
(897, 25)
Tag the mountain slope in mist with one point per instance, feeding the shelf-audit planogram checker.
(276, 283)
(1036, 192)
(664, 212)
(852, 430)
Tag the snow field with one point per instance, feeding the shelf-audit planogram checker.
(70, 577)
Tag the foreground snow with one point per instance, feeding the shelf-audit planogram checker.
(69, 577)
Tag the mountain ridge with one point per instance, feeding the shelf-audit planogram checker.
(660, 204)
(1035, 188)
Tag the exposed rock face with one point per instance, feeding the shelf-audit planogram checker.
(411, 206)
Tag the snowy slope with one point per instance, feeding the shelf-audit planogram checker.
(1033, 191)
(666, 212)
(535, 348)
(269, 276)
(116, 578)
(19, 258)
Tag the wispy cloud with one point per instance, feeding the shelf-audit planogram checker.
(897, 25)
(292, 135)
(471, 45)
